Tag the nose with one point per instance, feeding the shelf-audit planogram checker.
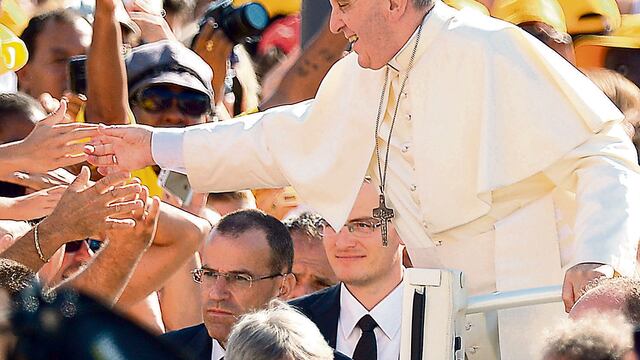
(84, 254)
(173, 116)
(344, 239)
(335, 21)
(219, 289)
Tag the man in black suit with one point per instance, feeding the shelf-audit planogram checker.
(245, 263)
(361, 316)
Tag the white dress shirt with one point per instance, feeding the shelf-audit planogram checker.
(387, 314)
(217, 352)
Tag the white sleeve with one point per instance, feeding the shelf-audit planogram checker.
(605, 175)
(166, 148)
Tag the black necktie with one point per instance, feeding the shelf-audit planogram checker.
(366, 349)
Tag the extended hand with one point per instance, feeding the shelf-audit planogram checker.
(137, 228)
(84, 210)
(54, 143)
(121, 148)
(577, 277)
(33, 206)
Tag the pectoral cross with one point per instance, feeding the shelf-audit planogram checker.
(384, 215)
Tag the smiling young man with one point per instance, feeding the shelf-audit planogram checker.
(497, 156)
(370, 278)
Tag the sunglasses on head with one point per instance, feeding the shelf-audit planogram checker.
(74, 246)
(155, 99)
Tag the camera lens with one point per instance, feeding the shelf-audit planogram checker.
(246, 21)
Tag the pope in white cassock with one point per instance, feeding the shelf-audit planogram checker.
(497, 156)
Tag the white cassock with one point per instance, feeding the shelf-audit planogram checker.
(505, 162)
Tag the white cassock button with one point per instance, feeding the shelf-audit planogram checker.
(439, 243)
(413, 187)
(425, 225)
(405, 147)
(404, 94)
(408, 117)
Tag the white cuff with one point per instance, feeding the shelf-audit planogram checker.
(166, 148)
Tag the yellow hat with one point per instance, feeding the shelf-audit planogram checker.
(275, 7)
(13, 51)
(591, 49)
(13, 16)
(467, 4)
(591, 16)
(521, 11)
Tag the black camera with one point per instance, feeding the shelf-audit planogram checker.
(241, 24)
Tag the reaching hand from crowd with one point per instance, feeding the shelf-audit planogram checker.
(139, 227)
(213, 46)
(121, 148)
(153, 27)
(40, 181)
(52, 144)
(85, 210)
(33, 206)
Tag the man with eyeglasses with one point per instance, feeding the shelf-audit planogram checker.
(246, 262)
(360, 316)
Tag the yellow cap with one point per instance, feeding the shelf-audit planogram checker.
(591, 50)
(13, 16)
(521, 11)
(275, 7)
(467, 4)
(626, 36)
(13, 52)
(591, 16)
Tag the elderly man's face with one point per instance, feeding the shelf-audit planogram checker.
(310, 265)
(224, 300)
(358, 258)
(363, 22)
(46, 70)
(168, 105)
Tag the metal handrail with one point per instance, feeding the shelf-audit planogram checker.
(510, 299)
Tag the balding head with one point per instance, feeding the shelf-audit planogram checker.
(620, 294)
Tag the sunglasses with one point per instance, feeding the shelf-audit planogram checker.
(156, 99)
(74, 246)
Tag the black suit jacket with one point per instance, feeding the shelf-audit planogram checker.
(194, 341)
(323, 308)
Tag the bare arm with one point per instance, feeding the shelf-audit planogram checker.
(107, 98)
(179, 236)
(302, 81)
(81, 212)
(180, 298)
(107, 275)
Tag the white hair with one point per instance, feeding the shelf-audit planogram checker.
(278, 332)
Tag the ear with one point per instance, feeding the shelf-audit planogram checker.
(23, 77)
(397, 8)
(287, 285)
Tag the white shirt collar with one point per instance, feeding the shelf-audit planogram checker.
(217, 352)
(385, 313)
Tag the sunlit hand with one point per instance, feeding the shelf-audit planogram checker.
(53, 143)
(121, 148)
(137, 228)
(214, 47)
(85, 210)
(578, 276)
(153, 27)
(33, 206)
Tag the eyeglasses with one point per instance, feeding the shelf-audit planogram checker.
(74, 246)
(155, 99)
(233, 280)
(359, 228)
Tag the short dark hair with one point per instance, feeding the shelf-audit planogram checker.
(277, 234)
(37, 23)
(307, 223)
(17, 103)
